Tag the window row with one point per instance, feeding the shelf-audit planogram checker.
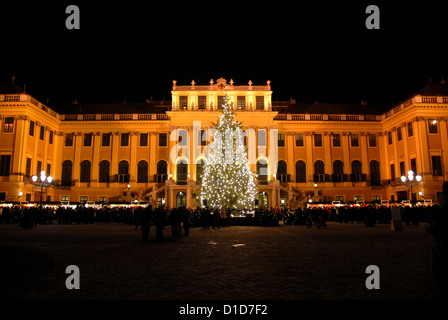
(104, 172)
(241, 102)
(31, 132)
(106, 139)
(182, 139)
(335, 139)
(436, 167)
(123, 172)
(320, 175)
(8, 126)
(432, 129)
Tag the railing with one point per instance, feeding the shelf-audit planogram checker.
(88, 117)
(10, 97)
(429, 99)
(229, 87)
(416, 99)
(107, 117)
(316, 117)
(329, 117)
(27, 98)
(356, 117)
(160, 178)
(335, 117)
(103, 117)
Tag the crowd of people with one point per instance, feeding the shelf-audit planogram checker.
(29, 216)
(367, 214)
(436, 217)
(213, 218)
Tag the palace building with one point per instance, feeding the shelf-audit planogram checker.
(124, 151)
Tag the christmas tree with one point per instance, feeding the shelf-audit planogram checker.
(227, 181)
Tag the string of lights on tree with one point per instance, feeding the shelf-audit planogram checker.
(227, 181)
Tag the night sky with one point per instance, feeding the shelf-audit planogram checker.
(133, 51)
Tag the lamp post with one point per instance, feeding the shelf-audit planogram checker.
(43, 181)
(411, 179)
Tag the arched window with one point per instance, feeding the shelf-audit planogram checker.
(142, 171)
(319, 171)
(282, 171)
(262, 170)
(375, 178)
(85, 171)
(123, 171)
(182, 172)
(162, 169)
(199, 170)
(300, 171)
(66, 177)
(356, 171)
(104, 171)
(338, 171)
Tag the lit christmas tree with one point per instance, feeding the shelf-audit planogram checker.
(227, 181)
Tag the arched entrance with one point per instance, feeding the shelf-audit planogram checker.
(283, 198)
(262, 199)
(181, 199)
(161, 198)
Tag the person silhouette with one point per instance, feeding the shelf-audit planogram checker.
(146, 218)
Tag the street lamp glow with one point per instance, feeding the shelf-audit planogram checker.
(410, 177)
(34, 178)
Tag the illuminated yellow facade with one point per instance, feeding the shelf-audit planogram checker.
(130, 152)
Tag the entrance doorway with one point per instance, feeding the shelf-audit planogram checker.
(262, 199)
(402, 195)
(181, 199)
(161, 199)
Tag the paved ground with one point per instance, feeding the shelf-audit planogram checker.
(274, 263)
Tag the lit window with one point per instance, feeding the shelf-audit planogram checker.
(9, 124)
(281, 139)
(354, 140)
(318, 140)
(372, 140)
(432, 126)
(299, 140)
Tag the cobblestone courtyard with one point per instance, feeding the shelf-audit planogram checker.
(237, 263)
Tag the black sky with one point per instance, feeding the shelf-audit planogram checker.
(133, 50)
